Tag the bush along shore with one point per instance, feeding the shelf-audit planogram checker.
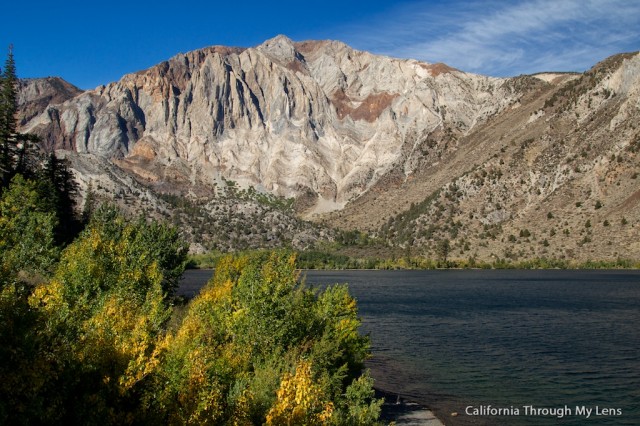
(92, 332)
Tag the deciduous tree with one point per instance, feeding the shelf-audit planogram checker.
(26, 229)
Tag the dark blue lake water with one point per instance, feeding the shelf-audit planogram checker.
(562, 342)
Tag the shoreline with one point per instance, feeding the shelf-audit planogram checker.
(405, 412)
(321, 260)
(507, 268)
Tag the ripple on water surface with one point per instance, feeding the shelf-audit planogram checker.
(450, 339)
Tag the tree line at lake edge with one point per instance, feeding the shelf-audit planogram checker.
(327, 260)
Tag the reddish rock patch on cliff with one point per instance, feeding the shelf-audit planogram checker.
(438, 68)
(369, 110)
(142, 150)
(297, 66)
(306, 47)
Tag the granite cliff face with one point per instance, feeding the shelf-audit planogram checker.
(315, 118)
(413, 153)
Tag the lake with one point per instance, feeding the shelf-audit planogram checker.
(538, 347)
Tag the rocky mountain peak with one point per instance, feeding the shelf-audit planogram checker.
(280, 48)
(35, 94)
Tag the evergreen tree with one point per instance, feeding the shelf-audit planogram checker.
(19, 155)
(58, 187)
(28, 157)
(8, 109)
(89, 205)
(9, 96)
(442, 249)
(18, 151)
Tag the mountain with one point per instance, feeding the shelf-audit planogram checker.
(414, 153)
(554, 176)
(314, 118)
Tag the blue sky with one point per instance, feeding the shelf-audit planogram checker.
(92, 43)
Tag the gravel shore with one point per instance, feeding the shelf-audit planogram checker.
(397, 409)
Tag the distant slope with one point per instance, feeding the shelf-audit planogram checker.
(555, 176)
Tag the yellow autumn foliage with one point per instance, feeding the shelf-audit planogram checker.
(104, 313)
(120, 331)
(48, 297)
(254, 323)
(255, 346)
(300, 401)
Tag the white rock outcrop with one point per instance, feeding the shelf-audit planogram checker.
(286, 117)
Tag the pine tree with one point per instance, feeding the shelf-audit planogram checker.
(59, 188)
(443, 247)
(89, 205)
(18, 152)
(8, 109)
(3, 141)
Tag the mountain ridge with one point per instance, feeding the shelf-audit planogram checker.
(360, 140)
(205, 103)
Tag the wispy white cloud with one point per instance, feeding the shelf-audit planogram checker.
(505, 38)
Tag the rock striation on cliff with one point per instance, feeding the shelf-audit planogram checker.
(316, 118)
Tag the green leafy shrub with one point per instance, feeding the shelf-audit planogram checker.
(253, 337)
